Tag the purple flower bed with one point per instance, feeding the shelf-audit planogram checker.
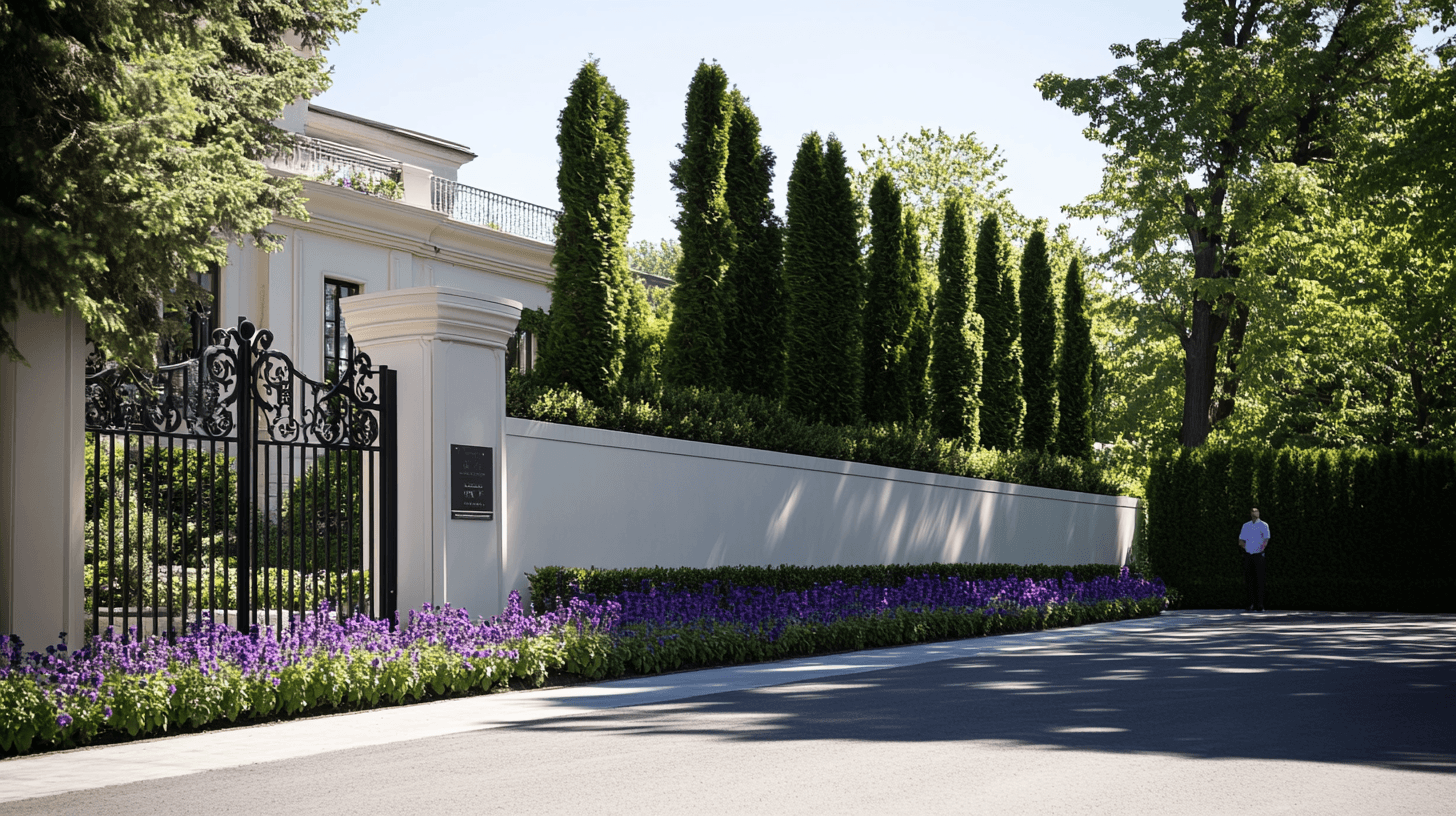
(124, 686)
(826, 604)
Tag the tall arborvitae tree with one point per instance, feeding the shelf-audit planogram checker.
(1074, 370)
(695, 341)
(890, 310)
(755, 311)
(1038, 346)
(918, 344)
(844, 288)
(589, 298)
(823, 279)
(1001, 405)
(955, 365)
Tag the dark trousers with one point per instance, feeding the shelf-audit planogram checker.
(1254, 576)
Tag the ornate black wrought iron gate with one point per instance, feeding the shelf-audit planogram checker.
(232, 488)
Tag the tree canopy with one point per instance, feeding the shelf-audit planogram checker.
(1228, 144)
(133, 134)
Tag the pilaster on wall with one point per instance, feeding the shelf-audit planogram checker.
(42, 480)
(448, 347)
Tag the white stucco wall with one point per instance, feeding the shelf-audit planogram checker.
(587, 497)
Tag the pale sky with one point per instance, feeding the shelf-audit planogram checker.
(495, 76)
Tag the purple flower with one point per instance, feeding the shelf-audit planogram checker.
(64, 720)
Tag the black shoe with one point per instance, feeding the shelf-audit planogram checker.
(1250, 609)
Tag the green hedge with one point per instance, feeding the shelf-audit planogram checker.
(550, 583)
(1349, 529)
(747, 421)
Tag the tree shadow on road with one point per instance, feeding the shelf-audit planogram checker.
(1334, 688)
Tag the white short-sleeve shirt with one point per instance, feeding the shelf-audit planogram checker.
(1254, 534)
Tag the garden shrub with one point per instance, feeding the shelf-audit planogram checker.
(1350, 529)
(748, 421)
(551, 586)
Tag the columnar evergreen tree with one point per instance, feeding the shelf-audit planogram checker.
(1038, 346)
(755, 311)
(1074, 370)
(589, 298)
(918, 344)
(890, 310)
(955, 365)
(1001, 405)
(695, 341)
(823, 278)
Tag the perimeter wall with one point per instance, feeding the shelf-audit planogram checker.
(590, 497)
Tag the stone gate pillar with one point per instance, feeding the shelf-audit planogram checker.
(448, 347)
(42, 480)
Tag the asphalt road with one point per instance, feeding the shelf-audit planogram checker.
(1237, 714)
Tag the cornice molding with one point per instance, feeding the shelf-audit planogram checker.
(430, 313)
(388, 224)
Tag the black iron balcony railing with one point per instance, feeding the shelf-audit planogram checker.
(493, 210)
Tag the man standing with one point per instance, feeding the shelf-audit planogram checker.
(1253, 539)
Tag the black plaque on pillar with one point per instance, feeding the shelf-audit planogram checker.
(472, 482)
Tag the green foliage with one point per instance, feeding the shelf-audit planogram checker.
(589, 296)
(823, 277)
(755, 310)
(1038, 346)
(646, 333)
(177, 508)
(1232, 149)
(918, 342)
(1074, 370)
(553, 586)
(660, 258)
(890, 311)
(955, 363)
(995, 303)
(133, 137)
(1350, 529)
(648, 649)
(321, 528)
(748, 421)
(695, 341)
(931, 168)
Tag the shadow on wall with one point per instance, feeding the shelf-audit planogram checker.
(1354, 689)
(692, 504)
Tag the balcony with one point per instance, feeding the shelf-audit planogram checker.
(380, 176)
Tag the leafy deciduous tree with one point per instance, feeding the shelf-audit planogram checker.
(1223, 137)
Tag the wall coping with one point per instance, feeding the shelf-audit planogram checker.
(550, 431)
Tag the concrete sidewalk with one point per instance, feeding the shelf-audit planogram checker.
(164, 757)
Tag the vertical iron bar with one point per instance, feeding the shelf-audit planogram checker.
(94, 511)
(246, 431)
(126, 543)
(389, 441)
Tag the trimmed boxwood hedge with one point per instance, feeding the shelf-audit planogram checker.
(1349, 529)
(550, 584)
(748, 421)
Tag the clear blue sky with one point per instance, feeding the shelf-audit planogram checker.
(495, 76)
